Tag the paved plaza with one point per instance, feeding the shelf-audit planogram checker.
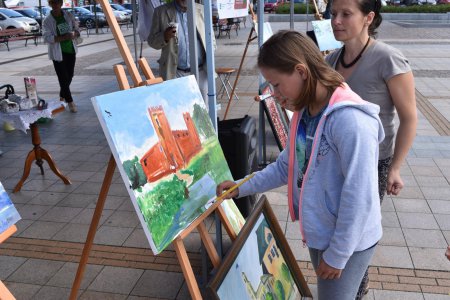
(40, 260)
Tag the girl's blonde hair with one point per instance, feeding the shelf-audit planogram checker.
(285, 49)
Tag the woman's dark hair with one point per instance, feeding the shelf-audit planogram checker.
(286, 49)
(366, 6)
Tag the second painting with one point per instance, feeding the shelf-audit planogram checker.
(168, 154)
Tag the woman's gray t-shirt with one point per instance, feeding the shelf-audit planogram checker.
(369, 80)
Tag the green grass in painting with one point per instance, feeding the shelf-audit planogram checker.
(160, 205)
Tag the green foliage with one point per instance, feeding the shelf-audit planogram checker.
(202, 123)
(301, 9)
(269, 296)
(135, 172)
(209, 160)
(416, 9)
(285, 273)
(160, 205)
(279, 290)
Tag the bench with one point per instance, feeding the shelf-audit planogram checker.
(17, 34)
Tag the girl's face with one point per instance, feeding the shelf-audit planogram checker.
(348, 21)
(286, 87)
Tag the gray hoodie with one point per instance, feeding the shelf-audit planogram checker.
(338, 203)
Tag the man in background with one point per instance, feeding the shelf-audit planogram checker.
(169, 32)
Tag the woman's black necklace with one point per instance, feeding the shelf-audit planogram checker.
(341, 57)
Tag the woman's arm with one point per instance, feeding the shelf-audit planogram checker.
(402, 90)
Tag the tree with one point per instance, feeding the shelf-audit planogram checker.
(201, 121)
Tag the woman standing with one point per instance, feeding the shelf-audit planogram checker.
(379, 74)
(60, 31)
(329, 164)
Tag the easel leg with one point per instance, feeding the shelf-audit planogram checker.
(93, 228)
(209, 245)
(5, 294)
(187, 269)
(26, 170)
(45, 155)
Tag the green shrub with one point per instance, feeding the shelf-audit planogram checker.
(301, 9)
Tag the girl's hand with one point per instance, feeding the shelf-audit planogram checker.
(225, 186)
(325, 271)
(394, 182)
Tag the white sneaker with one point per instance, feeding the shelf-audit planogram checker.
(72, 107)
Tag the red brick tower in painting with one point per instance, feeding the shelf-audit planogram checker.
(174, 149)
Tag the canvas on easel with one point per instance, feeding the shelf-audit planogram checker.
(167, 153)
(8, 213)
(324, 35)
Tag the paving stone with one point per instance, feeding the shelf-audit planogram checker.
(85, 216)
(33, 212)
(78, 200)
(66, 275)
(60, 214)
(436, 193)
(429, 259)
(436, 181)
(293, 231)
(392, 236)
(412, 192)
(22, 225)
(439, 206)
(72, 233)
(417, 220)
(388, 204)
(8, 264)
(390, 219)
(107, 235)
(93, 295)
(42, 230)
(47, 198)
(435, 296)
(300, 252)
(36, 271)
(22, 196)
(443, 221)
(137, 239)
(426, 162)
(151, 283)
(392, 256)
(22, 291)
(396, 295)
(122, 218)
(52, 293)
(276, 198)
(424, 238)
(281, 212)
(411, 205)
(116, 280)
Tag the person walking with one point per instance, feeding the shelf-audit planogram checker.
(60, 31)
(379, 74)
(329, 164)
(169, 32)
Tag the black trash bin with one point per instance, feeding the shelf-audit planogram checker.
(238, 138)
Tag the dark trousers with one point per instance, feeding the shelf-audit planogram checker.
(64, 70)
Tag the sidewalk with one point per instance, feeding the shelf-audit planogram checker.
(40, 261)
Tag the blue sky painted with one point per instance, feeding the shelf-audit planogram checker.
(129, 124)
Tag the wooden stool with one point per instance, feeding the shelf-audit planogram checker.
(224, 76)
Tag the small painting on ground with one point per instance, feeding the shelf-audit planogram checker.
(260, 264)
(8, 213)
(168, 154)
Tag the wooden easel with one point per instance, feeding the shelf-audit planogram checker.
(5, 294)
(197, 224)
(249, 40)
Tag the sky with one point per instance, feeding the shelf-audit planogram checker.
(127, 121)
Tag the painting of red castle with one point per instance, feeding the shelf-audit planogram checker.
(174, 149)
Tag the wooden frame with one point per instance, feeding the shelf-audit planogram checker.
(277, 117)
(267, 263)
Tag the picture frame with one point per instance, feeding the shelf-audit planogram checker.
(277, 116)
(260, 263)
(168, 156)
